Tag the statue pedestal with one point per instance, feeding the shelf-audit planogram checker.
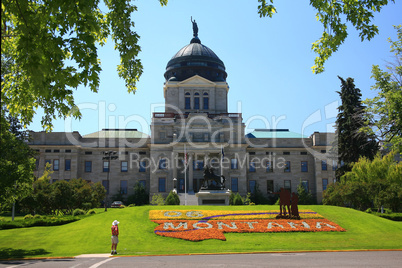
(213, 197)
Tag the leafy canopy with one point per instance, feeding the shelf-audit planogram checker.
(384, 112)
(334, 15)
(52, 47)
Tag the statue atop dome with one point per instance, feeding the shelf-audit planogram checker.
(195, 28)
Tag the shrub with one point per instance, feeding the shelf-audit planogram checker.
(37, 216)
(237, 200)
(90, 212)
(28, 216)
(86, 206)
(131, 205)
(157, 199)
(172, 199)
(78, 212)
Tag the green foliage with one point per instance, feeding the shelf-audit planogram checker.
(158, 200)
(28, 216)
(78, 212)
(334, 16)
(257, 197)
(52, 47)
(351, 142)
(377, 182)
(384, 112)
(90, 212)
(305, 197)
(62, 196)
(237, 200)
(16, 163)
(140, 196)
(172, 199)
(37, 221)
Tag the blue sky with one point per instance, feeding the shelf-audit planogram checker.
(268, 62)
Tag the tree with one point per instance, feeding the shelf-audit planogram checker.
(172, 199)
(305, 196)
(375, 182)
(52, 47)
(140, 196)
(334, 15)
(384, 112)
(351, 142)
(16, 165)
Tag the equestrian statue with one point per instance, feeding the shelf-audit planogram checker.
(212, 181)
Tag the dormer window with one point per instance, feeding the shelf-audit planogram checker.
(205, 101)
(187, 101)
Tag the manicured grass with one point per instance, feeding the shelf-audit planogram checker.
(92, 235)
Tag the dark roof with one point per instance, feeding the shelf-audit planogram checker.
(195, 58)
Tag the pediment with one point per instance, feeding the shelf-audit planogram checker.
(196, 80)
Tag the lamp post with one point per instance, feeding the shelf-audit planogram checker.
(108, 155)
(175, 185)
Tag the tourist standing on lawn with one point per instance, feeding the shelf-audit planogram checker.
(115, 236)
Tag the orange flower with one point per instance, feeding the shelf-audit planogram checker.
(197, 230)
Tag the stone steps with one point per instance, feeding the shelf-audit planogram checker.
(192, 200)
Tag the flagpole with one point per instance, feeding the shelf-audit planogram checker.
(185, 176)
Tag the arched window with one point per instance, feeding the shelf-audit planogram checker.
(205, 101)
(187, 101)
(196, 101)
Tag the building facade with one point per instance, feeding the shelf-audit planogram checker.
(195, 130)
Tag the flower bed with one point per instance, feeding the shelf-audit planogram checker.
(209, 224)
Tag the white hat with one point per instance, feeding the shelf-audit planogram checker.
(115, 222)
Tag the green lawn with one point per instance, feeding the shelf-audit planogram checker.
(92, 235)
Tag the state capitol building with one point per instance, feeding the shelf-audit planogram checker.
(195, 130)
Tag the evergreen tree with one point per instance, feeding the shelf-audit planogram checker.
(352, 143)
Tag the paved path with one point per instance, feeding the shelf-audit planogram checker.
(313, 259)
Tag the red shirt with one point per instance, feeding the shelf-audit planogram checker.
(115, 230)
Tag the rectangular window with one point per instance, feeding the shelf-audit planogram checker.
(105, 166)
(187, 103)
(143, 183)
(270, 167)
(197, 103)
(252, 167)
(233, 163)
(123, 187)
(270, 186)
(198, 164)
(105, 184)
(251, 186)
(88, 166)
(303, 153)
(67, 151)
(56, 164)
(286, 153)
(124, 166)
(206, 103)
(48, 161)
(234, 185)
(304, 166)
(48, 150)
(143, 165)
(67, 164)
(287, 185)
(88, 152)
(162, 163)
(162, 185)
(324, 184)
(54, 180)
(287, 166)
(323, 165)
(305, 185)
(56, 151)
